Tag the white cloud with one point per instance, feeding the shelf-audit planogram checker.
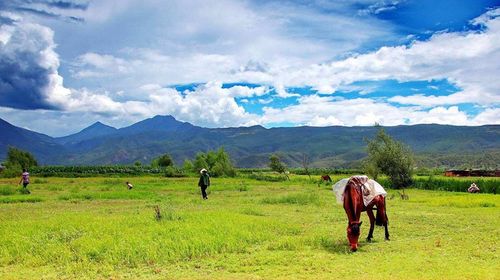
(466, 59)
(324, 121)
(100, 65)
(380, 7)
(323, 111)
(29, 77)
(265, 101)
(440, 115)
(189, 42)
(488, 116)
(248, 42)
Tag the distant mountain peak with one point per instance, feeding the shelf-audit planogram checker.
(170, 117)
(94, 130)
(157, 123)
(98, 125)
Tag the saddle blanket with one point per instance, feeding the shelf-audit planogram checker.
(370, 189)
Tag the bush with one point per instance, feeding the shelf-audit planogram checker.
(262, 177)
(162, 161)
(173, 171)
(217, 162)
(12, 171)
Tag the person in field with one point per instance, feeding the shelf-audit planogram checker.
(129, 185)
(204, 182)
(473, 188)
(25, 179)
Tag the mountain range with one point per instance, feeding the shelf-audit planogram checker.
(335, 146)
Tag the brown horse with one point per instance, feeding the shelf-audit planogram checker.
(353, 206)
(324, 179)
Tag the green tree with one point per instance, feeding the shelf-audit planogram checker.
(390, 157)
(188, 165)
(217, 162)
(276, 165)
(19, 158)
(200, 161)
(223, 165)
(163, 161)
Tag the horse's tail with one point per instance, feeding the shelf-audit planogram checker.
(381, 217)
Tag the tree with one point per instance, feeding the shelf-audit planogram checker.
(390, 157)
(223, 165)
(188, 165)
(217, 162)
(163, 161)
(20, 158)
(276, 165)
(200, 161)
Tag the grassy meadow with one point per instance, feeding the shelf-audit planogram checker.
(94, 228)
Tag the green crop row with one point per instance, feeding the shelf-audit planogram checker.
(486, 185)
(90, 171)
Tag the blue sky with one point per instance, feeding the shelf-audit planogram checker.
(66, 64)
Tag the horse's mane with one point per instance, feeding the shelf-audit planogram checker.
(348, 189)
(352, 185)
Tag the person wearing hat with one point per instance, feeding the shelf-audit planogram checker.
(204, 182)
(473, 188)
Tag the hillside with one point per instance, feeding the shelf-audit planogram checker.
(336, 146)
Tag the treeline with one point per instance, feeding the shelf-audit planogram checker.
(217, 162)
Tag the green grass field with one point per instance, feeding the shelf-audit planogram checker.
(93, 228)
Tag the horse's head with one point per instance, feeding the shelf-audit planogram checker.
(353, 234)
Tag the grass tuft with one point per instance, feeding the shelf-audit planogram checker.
(20, 199)
(300, 199)
(7, 190)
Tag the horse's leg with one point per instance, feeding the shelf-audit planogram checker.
(369, 211)
(386, 229)
(382, 215)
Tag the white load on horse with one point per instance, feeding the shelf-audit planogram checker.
(370, 189)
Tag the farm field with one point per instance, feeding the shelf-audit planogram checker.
(94, 228)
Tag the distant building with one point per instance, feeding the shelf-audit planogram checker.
(472, 173)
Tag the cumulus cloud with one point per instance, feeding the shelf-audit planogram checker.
(318, 110)
(30, 80)
(208, 105)
(249, 44)
(29, 76)
(466, 59)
